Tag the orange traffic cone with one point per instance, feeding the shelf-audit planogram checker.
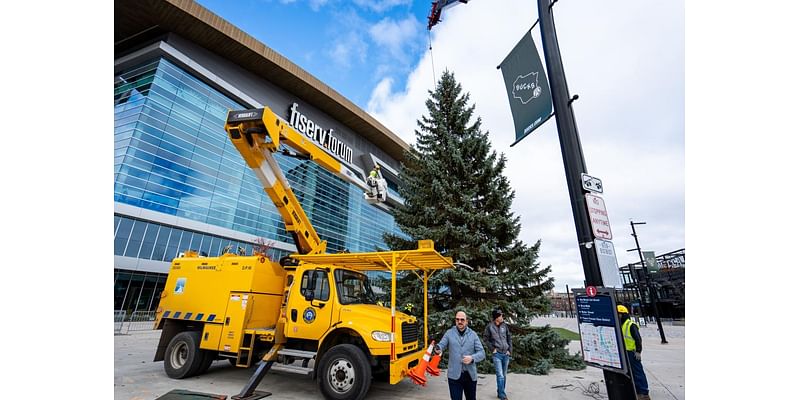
(433, 366)
(417, 374)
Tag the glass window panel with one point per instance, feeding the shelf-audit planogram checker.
(161, 243)
(149, 241)
(120, 286)
(205, 245)
(226, 245)
(318, 280)
(173, 247)
(123, 233)
(214, 250)
(135, 287)
(197, 239)
(135, 241)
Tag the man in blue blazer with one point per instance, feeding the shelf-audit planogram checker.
(465, 350)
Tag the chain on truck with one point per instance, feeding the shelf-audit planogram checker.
(311, 313)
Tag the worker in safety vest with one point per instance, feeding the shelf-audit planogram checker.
(374, 173)
(372, 181)
(633, 346)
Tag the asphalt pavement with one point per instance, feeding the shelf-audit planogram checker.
(137, 377)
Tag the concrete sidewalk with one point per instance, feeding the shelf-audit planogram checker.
(137, 377)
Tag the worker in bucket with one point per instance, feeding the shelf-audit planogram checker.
(372, 180)
(465, 351)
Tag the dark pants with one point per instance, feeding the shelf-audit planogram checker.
(464, 385)
(639, 379)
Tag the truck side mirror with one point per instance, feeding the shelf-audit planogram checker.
(308, 294)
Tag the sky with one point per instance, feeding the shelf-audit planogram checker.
(625, 60)
(350, 45)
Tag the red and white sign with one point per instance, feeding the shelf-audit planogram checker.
(601, 227)
(591, 291)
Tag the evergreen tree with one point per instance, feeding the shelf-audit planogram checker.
(455, 194)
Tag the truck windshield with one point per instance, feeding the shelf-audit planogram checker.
(353, 287)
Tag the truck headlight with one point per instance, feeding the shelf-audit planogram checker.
(381, 336)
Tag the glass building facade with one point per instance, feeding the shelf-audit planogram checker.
(172, 156)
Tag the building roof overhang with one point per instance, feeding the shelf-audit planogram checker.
(139, 21)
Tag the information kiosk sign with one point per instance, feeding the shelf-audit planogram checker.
(601, 336)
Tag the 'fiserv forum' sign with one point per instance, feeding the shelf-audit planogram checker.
(325, 138)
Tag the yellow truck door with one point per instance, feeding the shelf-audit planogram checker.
(311, 301)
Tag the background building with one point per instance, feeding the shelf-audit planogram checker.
(178, 181)
(668, 284)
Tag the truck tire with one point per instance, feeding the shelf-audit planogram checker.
(183, 357)
(344, 373)
(208, 358)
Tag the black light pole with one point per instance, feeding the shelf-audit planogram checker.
(619, 386)
(653, 298)
(569, 302)
(641, 296)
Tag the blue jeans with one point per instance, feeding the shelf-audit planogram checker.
(501, 369)
(462, 386)
(639, 379)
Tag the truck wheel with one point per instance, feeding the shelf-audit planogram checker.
(344, 373)
(183, 358)
(208, 358)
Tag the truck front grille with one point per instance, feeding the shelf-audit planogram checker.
(410, 332)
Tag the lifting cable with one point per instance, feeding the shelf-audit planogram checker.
(433, 68)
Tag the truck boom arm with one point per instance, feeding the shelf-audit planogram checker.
(257, 134)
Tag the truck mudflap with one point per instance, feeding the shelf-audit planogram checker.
(398, 369)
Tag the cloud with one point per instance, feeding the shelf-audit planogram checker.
(626, 62)
(317, 4)
(381, 5)
(347, 48)
(396, 37)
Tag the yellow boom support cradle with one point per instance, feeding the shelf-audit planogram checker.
(425, 260)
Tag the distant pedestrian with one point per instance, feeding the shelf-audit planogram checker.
(465, 351)
(633, 346)
(498, 337)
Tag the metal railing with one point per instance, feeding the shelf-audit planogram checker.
(119, 321)
(136, 321)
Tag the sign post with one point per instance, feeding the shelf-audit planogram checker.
(598, 216)
(619, 386)
(591, 183)
(601, 336)
(607, 257)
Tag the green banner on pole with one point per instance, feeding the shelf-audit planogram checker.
(527, 87)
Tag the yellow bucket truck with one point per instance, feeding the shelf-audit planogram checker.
(311, 312)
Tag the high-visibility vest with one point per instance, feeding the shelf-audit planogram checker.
(630, 344)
